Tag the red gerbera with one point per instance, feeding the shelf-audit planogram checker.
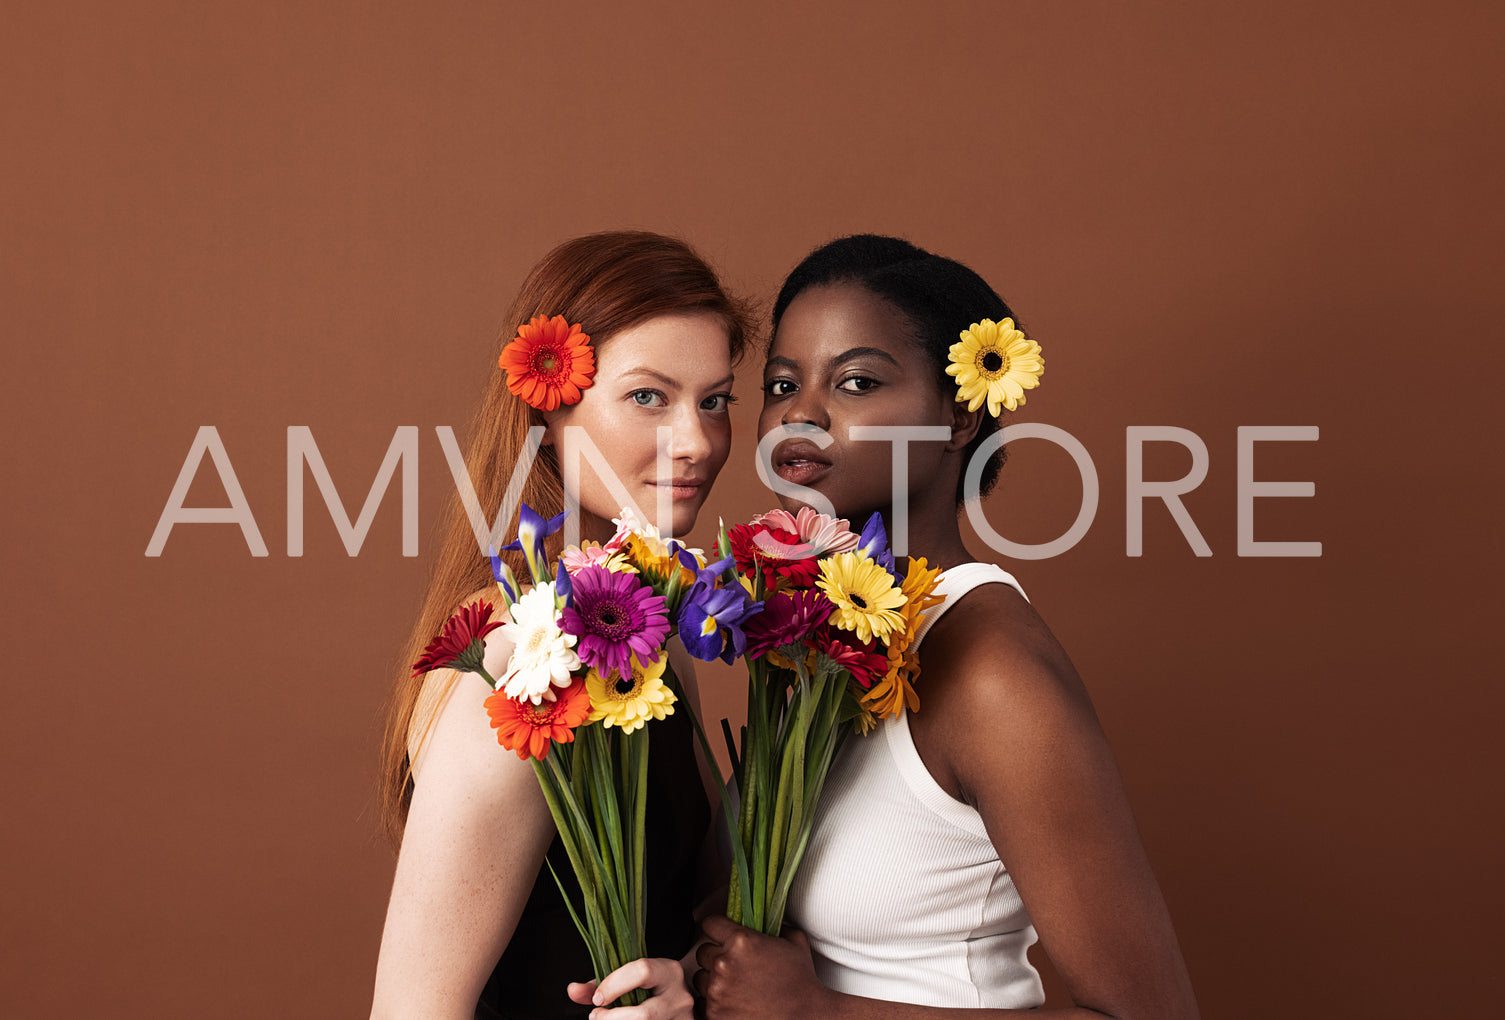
(779, 553)
(549, 362)
(862, 659)
(459, 644)
(527, 728)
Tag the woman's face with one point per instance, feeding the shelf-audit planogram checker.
(671, 370)
(842, 357)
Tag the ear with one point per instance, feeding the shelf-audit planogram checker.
(964, 425)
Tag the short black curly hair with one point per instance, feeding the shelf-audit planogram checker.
(939, 296)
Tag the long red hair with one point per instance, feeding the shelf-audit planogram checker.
(607, 282)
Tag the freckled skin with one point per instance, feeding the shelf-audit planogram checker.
(671, 370)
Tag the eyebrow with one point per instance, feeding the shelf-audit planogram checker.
(846, 355)
(674, 383)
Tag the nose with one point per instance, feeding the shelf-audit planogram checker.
(688, 438)
(807, 408)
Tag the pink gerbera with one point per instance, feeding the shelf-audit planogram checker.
(824, 535)
(615, 616)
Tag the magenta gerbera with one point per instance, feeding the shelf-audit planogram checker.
(786, 618)
(614, 615)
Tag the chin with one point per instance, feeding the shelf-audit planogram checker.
(684, 520)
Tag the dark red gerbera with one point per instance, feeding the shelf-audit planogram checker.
(863, 659)
(779, 553)
(459, 644)
(786, 618)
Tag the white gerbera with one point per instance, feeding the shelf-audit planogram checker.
(543, 656)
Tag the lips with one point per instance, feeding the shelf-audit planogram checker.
(800, 462)
(683, 488)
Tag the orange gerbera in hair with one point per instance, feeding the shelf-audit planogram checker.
(527, 728)
(549, 362)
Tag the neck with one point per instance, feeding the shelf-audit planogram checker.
(934, 533)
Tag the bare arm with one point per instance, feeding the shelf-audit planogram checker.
(477, 833)
(1007, 727)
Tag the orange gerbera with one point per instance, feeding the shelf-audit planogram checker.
(896, 689)
(527, 728)
(549, 362)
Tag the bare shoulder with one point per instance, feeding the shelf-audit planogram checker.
(992, 644)
(451, 712)
(995, 688)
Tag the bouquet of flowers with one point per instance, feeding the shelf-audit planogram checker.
(828, 653)
(589, 669)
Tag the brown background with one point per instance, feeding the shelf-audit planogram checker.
(259, 216)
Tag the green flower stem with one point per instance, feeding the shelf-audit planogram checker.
(596, 877)
(787, 800)
(607, 807)
(819, 767)
(595, 937)
(739, 857)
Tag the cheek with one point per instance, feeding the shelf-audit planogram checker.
(721, 442)
(770, 417)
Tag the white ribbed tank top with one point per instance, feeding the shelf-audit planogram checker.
(901, 892)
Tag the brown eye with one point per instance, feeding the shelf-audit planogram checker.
(857, 384)
(779, 388)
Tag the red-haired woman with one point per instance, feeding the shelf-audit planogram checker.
(472, 929)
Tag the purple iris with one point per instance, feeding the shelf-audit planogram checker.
(710, 618)
(874, 543)
(615, 616)
(786, 618)
(532, 529)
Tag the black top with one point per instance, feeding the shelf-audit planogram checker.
(546, 951)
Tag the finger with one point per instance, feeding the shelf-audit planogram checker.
(718, 928)
(582, 992)
(706, 954)
(673, 1004)
(652, 974)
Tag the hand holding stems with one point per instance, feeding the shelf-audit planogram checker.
(745, 975)
(664, 980)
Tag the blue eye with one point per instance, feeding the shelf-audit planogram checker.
(720, 403)
(647, 398)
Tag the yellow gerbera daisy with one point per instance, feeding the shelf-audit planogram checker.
(650, 555)
(866, 599)
(996, 363)
(629, 702)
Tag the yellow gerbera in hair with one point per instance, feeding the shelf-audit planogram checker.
(996, 363)
(866, 599)
(630, 701)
